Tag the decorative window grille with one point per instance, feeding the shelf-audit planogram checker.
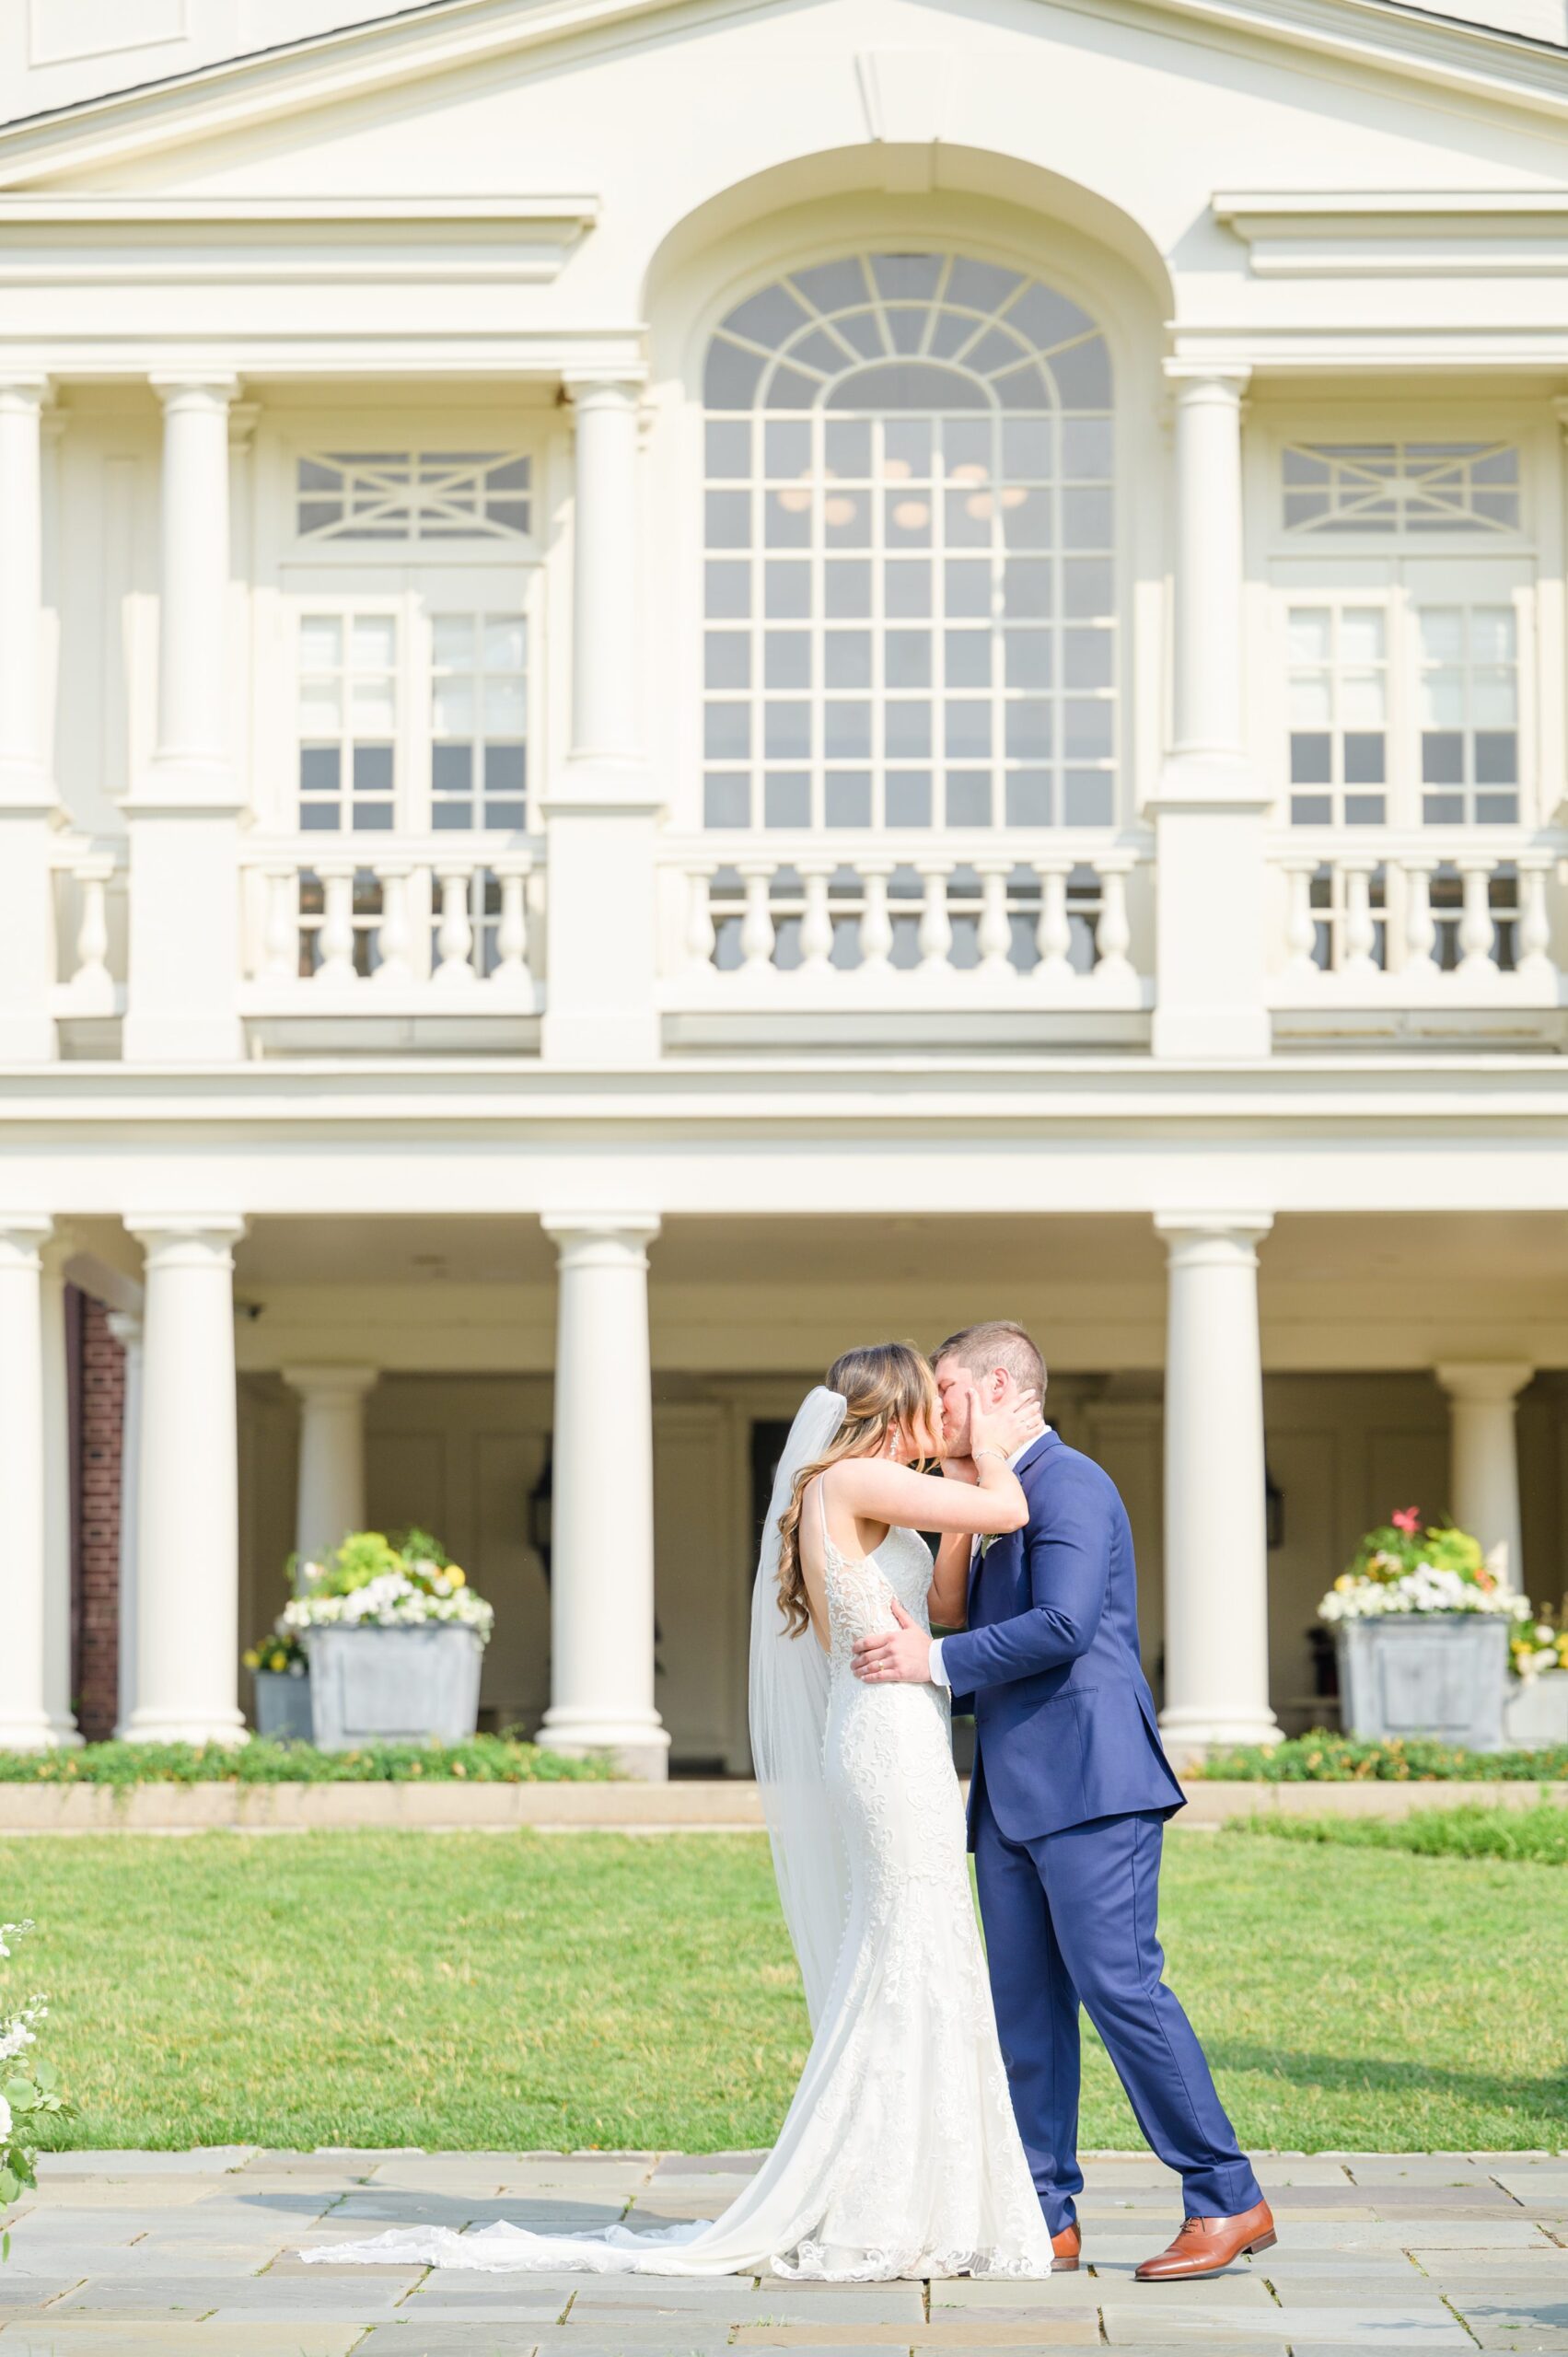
(1401, 488)
(911, 594)
(348, 696)
(418, 497)
(479, 712)
(1470, 714)
(1338, 712)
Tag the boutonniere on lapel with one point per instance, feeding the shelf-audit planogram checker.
(988, 1541)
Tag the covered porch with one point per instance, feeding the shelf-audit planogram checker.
(585, 1409)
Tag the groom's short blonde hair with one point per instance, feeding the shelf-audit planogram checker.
(996, 1344)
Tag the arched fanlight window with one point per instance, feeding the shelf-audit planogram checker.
(910, 607)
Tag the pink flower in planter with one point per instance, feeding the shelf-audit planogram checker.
(1408, 1519)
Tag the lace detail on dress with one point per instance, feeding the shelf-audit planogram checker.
(900, 2155)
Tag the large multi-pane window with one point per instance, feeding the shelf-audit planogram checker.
(910, 608)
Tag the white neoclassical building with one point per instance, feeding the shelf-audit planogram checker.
(679, 683)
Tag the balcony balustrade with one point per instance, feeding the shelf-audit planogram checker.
(437, 940)
(1432, 925)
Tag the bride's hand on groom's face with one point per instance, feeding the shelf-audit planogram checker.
(1006, 1426)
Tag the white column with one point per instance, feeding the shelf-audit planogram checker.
(1207, 807)
(602, 809)
(1217, 1602)
(30, 807)
(1484, 1456)
(602, 1576)
(187, 1534)
(56, 1384)
(126, 1328)
(25, 1723)
(329, 1501)
(183, 998)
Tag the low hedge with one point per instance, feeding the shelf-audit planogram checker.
(488, 1759)
(1528, 1836)
(1322, 1758)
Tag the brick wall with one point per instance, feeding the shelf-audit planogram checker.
(100, 1391)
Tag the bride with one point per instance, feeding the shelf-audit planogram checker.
(900, 2155)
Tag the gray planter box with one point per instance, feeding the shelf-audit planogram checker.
(1536, 1712)
(1437, 1673)
(283, 1706)
(394, 1685)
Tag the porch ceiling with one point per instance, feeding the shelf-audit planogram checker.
(1424, 1251)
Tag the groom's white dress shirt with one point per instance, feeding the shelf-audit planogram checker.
(938, 1671)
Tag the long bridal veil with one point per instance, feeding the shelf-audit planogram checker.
(789, 1719)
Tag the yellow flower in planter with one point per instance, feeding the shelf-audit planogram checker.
(458, 1578)
(252, 1659)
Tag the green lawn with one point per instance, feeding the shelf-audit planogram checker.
(518, 1990)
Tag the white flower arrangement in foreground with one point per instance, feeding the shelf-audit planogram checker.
(31, 2091)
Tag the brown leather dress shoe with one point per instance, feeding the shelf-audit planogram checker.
(1065, 2249)
(1204, 2246)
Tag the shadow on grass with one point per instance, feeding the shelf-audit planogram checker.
(1368, 2074)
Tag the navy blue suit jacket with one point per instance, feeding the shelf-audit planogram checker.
(1064, 1721)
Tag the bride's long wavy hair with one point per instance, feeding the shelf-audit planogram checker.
(885, 1384)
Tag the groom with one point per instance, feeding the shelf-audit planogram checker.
(1067, 1811)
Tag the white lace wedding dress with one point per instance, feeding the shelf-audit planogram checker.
(900, 2155)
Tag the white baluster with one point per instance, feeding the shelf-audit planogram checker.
(92, 987)
(1301, 925)
(1113, 935)
(816, 923)
(1535, 925)
(757, 924)
(280, 930)
(336, 937)
(875, 925)
(993, 934)
(394, 935)
(702, 940)
(1476, 930)
(1359, 939)
(936, 924)
(1053, 934)
(512, 925)
(454, 936)
(1421, 927)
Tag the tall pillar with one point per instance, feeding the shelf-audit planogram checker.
(329, 1501)
(56, 1384)
(184, 815)
(188, 1506)
(602, 809)
(30, 807)
(601, 1679)
(126, 1324)
(25, 1722)
(1485, 1454)
(1216, 1593)
(1208, 810)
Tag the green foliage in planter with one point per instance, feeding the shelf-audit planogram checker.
(1533, 1837)
(1321, 1758)
(487, 1759)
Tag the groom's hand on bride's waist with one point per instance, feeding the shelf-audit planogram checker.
(900, 1656)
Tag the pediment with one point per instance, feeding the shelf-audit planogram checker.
(414, 62)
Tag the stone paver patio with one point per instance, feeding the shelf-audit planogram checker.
(195, 2252)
